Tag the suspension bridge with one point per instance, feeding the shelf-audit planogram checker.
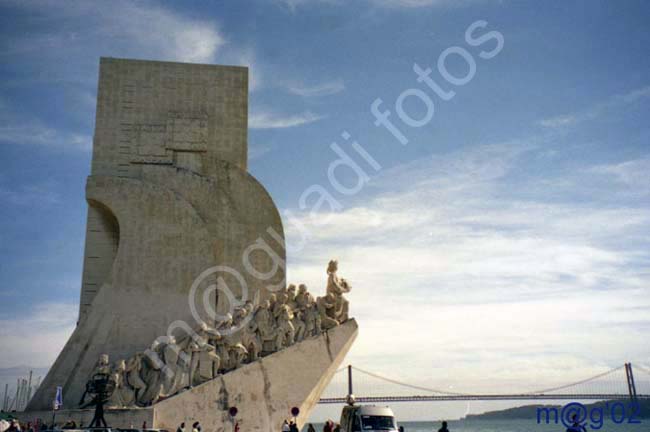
(369, 387)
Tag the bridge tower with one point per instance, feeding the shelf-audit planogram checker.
(350, 380)
(630, 381)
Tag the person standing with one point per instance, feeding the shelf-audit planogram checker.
(444, 427)
(196, 427)
(285, 427)
(576, 426)
(310, 428)
(293, 427)
(181, 428)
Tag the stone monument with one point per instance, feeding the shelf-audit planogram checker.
(183, 298)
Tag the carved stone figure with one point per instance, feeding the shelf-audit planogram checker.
(184, 366)
(263, 322)
(301, 297)
(207, 333)
(280, 302)
(225, 325)
(311, 317)
(249, 306)
(115, 401)
(170, 372)
(238, 355)
(291, 297)
(285, 332)
(337, 287)
(209, 362)
(228, 338)
(194, 351)
(103, 365)
(251, 341)
(133, 378)
(124, 394)
(298, 324)
(326, 305)
(249, 338)
(151, 374)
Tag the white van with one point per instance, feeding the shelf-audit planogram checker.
(369, 418)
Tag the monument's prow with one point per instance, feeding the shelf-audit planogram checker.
(184, 306)
(264, 392)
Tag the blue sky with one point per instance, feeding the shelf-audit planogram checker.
(506, 243)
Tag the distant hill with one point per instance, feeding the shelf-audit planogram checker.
(530, 411)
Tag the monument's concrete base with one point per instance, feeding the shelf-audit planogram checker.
(264, 392)
(123, 418)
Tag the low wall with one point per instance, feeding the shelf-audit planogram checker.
(116, 418)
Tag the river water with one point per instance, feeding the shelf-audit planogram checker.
(512, 426)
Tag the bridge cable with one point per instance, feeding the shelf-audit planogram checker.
(430, 390)
(642, 369)
(548, 390)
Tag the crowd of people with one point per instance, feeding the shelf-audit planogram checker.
(330, 426)
(287, 426)
(290, 426)
(16, 426)
(196, 427)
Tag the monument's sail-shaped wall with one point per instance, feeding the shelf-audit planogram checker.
(169, 198)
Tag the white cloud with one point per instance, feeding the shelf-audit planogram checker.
(560, 121)
(416, 3)
(292, 5)
(634, 173)
(245, 57)
(635, 95)
(461, 283)
(36, 336)
(35, 195)
(159, 31)
(36, 134)
(257, 151)
(269, 120)
(566, 120)
(121, 28)
(126, 29)
(323, 89)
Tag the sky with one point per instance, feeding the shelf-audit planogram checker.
(504, 245)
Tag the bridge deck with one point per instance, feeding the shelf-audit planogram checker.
(483, 397)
